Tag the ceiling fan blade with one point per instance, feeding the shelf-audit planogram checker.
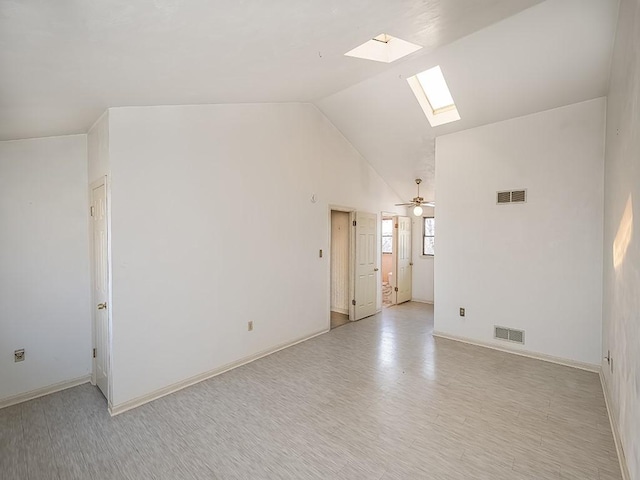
(428, 204)
(404, 204)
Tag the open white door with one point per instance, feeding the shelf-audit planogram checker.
(100, 285)
(366, 253)
(403, 259)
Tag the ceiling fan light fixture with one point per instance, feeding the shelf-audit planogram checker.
(417, 203)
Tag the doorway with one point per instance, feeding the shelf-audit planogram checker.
(396, 260)
(404, 262)
(100, 285)
(388, 262)
(340, 267)
(354, 268)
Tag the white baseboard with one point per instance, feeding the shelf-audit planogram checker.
(614, 429)
(136, 402)
(419, 300)
(41, 392)
(524, 353)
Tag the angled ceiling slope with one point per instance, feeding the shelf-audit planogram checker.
(63, 62)
(553, 54)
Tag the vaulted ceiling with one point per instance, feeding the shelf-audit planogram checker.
(65, 62)
(550, 55)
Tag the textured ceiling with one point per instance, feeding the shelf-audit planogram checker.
(553, 54)
(64, 61)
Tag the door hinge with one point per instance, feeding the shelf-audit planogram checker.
(91, 209)
(354, 223)
(353, 302)
(94, 353)
(396, 225)
(396, 289)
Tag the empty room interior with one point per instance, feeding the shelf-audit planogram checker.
(320, 240)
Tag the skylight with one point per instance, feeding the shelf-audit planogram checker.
(383, 48)
(430, 88)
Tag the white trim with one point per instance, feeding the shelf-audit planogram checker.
(41, 392)
(136, 402)
(589, 367)
(614, 429)
(419, 300)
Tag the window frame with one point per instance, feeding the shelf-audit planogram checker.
(383, 236)
(424, 235)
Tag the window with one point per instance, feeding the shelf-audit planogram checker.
(383, 48)
(387, 235)
(433, 95)
(429, 236)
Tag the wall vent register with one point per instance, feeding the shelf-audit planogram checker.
(511, 196)
(508, 334)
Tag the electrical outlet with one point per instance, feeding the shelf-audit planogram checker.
(462, 312)
(250, 326)
(18, 355)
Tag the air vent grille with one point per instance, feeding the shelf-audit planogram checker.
(511, 196)
(502, 333)
(518, 196)
(516, 336)
(508, 334)
(504, 197)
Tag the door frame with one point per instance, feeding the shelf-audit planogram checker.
(394, 240)
(377, 260)
(352, 250)
(104, 180)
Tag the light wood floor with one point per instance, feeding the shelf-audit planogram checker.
(375, 399)
(338, 319)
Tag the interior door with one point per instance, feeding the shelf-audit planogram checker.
(366, 271)
(403, 259)
(100, 287)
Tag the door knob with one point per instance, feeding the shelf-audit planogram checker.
(102, 306)
(375, 269)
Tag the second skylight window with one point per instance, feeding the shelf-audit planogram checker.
(430, 88)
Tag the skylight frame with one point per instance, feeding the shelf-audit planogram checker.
(443, 114)
(383, 48)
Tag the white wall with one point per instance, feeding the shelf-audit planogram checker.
(621, 318)
(206, 202)
(98, 148)
(422, 264)
(44, 271)
(537, 266)
(340, 234)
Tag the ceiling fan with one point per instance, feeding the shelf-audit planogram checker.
(418, 202)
